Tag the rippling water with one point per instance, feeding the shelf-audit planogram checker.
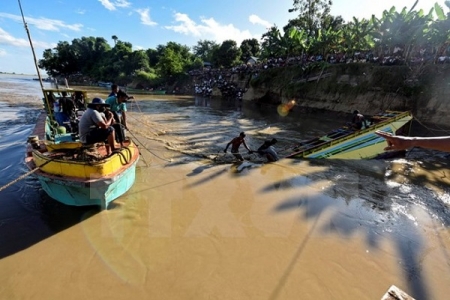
(194, 229)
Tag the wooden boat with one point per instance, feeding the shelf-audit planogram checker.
(345, 143)
(69, 177)
(77, 174)
(68, 171)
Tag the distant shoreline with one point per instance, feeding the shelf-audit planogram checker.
(13, 73)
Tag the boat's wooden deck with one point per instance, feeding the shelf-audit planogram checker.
(39, 130)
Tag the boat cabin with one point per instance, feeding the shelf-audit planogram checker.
(64, 107)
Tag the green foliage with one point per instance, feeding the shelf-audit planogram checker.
(147, 76)
(439, 12)
(249, 47)
(170, 63)
(314, 31)
(205, 50)
(196, 64)
(227, 55)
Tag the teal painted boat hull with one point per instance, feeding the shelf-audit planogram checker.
(84, 193)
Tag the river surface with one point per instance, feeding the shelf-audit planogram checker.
(196, 227)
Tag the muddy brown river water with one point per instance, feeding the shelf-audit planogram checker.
(192, 228)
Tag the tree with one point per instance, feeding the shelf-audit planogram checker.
(439, 32)
(115, 38)
(227, 55)
(170, 63)
(205, 49)
(271, 43)
(311, 14)
(358, 36)
(89, 52)
(138, 61)
(405, 29)
(249, 47)
(182, 50)
(152, 56)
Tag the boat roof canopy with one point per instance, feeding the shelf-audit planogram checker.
(68, 90)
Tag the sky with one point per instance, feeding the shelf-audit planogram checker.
(149, 23)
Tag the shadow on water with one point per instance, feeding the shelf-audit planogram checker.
(35, 217)
(372, 207)
(374, 199)
(28, 215)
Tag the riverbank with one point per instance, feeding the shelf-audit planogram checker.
(342, 88)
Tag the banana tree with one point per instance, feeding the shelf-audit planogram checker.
(358, 35)
(405, 29)
(439, 33)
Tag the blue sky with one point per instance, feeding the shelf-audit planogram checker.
(148, 23)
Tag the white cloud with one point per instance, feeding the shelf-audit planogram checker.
(254, 19)
(80, 11)
(112, 5)
(209, 29)
(122, 3)
(2, 52)
(145, 16)
(44, 23)
(7, 39)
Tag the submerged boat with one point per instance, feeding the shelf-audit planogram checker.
(345, 143)
(71, 172)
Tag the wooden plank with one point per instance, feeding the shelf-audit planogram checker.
(394, 293)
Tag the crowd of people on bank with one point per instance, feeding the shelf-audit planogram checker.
(208, 78)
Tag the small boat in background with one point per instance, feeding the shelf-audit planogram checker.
(347, 143)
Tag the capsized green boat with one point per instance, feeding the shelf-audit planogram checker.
(345, 143)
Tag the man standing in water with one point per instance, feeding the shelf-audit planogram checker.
(267, 150)
(235, 144)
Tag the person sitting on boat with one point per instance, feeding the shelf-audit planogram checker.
(118, 107)
(359, 121)
(268, 151)
(235, 144)
(66, 111)
(95, 126)
(78, 99)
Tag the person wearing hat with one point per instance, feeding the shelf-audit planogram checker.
(95, 125)
(118, 107)
(235, 144)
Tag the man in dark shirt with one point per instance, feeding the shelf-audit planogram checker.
(67, 108)
(268, 151)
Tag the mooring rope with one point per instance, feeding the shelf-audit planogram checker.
(23, 176)
(168, 160)
(430, 129)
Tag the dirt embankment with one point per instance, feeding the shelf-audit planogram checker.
(369, 88)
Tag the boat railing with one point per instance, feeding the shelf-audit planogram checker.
(351, 134)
